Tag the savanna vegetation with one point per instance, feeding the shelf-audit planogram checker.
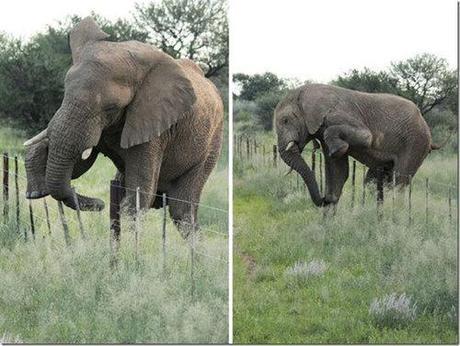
(54, 293)
(302, 275)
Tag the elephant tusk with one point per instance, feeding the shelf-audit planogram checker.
(86, 153)
(37, 138)
(289, 146)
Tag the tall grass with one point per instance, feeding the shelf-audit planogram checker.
(53, 293)
(368, 257)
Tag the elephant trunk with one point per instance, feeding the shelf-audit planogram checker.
(292, 157)
(69, 140)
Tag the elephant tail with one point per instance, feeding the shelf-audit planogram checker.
(435, 146)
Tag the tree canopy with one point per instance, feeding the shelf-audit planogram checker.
(32, 72)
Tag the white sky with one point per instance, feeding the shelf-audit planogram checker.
(23, 18)
(317, 40)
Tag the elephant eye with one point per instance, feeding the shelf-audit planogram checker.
(285, 120)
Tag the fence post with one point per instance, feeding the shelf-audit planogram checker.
(426, 202)
(275, 154)
(65, 227)
(16, 184)
(32, 223)
(163, 237)
(353, 184)
(255, 147)
(115, 224)
(379, 192)
(313, 161)
(137, 224)
(80, 223)
(321, 173)
(393, 196)
(410, 200)
(450, 206)
(363, 200)
(47, 215)
(6, 168)
(192, 250)
(248, 148)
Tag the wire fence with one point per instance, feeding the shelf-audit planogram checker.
(25, 217)
(262, 156)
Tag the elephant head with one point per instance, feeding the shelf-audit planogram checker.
(129, 85)
(296, 124)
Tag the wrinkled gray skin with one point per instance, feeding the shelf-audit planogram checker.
(384, 132)
(158, 119)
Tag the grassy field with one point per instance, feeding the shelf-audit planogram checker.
(304, 277)
(53, 293)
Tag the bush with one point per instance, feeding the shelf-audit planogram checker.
(266, 105)
(393, 310)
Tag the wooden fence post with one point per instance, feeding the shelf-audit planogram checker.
(137, 224)
(275, 154)
(255, 146)
(6, 168)
(313, 161)
(393, 196)
(65, 227)
(163, 237)
(16, 184)
(426, 202)
(47, 215)
(192, 250)
(115, 224)
(80, 223)
(410, 200)
(248, 148)
(353, 184)
(32, 222)
(380, 193)
(321, 173)
(450, 205)
(363, 200)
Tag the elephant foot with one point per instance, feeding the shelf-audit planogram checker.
(85, 203)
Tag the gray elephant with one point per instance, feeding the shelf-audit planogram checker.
(384, 132)
(158, 119)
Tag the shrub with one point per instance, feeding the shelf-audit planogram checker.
(302, 271)
(393, 310)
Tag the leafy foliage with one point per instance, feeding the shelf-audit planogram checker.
(32, 73)
(193, 29)
(256, 85)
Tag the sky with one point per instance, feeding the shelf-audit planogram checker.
(318, 40)
(23, 18)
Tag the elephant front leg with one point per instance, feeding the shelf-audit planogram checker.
(142, 170)
(336, 176)
(339, 138)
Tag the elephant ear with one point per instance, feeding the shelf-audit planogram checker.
(84, 32)
(312, 112)
(165, 96)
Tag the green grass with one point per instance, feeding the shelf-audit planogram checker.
(53, 293)
(277, 225)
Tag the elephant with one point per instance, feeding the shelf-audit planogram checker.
(158, 119)
(385, 132)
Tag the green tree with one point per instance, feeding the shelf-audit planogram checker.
(194, 29)
(368, 81)
(32, 73)
(426, 80)
(254, 86)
